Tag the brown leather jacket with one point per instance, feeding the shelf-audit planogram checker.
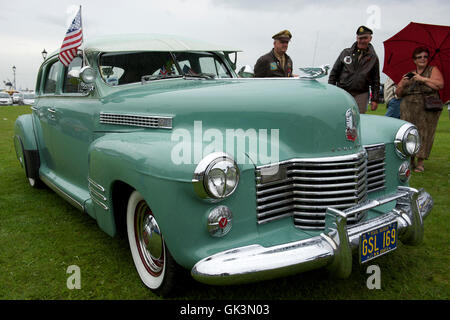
(269, 66)
(356, 77)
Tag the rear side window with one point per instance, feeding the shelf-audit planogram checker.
(51, 78)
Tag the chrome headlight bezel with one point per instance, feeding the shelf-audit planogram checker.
(202, 173)
(401, 140)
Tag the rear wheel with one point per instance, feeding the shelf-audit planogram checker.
(29, 160)
(154, 264)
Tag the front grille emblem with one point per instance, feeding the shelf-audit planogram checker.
(350, 122)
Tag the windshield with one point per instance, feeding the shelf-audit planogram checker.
(4, 95)
(29, 96)
(131, 67)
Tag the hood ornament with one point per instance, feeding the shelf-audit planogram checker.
(350, 122)
(315, 72)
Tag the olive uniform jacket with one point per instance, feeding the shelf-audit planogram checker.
(356, 76)
(269, 66)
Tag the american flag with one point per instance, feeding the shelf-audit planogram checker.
(72, 40)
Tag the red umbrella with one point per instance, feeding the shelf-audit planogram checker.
(399, 48)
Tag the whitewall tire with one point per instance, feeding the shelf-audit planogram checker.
(152, 259)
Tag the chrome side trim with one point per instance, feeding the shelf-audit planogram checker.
(104, 206)
(97, 193)
(96, 185)
(61, 193)
(145, 121)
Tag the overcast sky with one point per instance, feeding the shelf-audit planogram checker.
(320, 28)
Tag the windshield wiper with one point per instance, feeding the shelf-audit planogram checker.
(148, 78)
(200, 75)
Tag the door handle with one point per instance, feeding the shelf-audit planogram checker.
(52, 113)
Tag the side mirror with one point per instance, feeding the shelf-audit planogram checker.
(246, 72)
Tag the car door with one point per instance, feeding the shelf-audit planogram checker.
(44, 114)
(74, 113)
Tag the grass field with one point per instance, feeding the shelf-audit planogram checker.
(41, 236)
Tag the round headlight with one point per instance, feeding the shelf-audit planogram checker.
(216, 176)
(407, 140)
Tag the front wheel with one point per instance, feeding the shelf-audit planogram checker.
(154, 264)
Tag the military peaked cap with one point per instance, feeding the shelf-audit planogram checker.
(285, 34)
(363, 30)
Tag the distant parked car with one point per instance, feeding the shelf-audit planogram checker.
(17, 98)
(5, 99)
(28, 98)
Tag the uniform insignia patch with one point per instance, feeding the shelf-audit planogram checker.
(348, 59)
(273, 66)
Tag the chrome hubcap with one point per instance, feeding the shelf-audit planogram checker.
(149, 239)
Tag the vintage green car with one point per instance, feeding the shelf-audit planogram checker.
(234, 179)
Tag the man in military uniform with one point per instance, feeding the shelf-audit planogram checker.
(276, 63)
(357, 68)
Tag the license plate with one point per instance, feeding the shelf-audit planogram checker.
(377, 242)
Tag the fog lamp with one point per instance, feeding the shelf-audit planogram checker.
(404, 172)
(220, 221)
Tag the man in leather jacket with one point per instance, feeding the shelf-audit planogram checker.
(357, 68)
(276, 63)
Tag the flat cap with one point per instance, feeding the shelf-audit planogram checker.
(363, 30)
(285, 34)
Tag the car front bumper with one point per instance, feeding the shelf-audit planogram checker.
(332, 249)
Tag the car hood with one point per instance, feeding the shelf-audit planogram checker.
(290, 117)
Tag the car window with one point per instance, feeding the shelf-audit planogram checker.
(71, 80)
(195, 63)
(4, 95)
(130, 67)
(50, 80)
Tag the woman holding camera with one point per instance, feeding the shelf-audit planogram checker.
(415, 87)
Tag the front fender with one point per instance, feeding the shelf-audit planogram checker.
(144, 161)
(379, 129)
(382, 130)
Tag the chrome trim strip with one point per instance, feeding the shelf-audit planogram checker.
(146, 121)
(316, 161)
(93, 192)
(104, 206)
(61, 193)
(96, 185)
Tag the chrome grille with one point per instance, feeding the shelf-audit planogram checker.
(305, 188)
(136, 120)
(376, 175)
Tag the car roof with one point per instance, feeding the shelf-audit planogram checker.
(148, 42)
(151, 42)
